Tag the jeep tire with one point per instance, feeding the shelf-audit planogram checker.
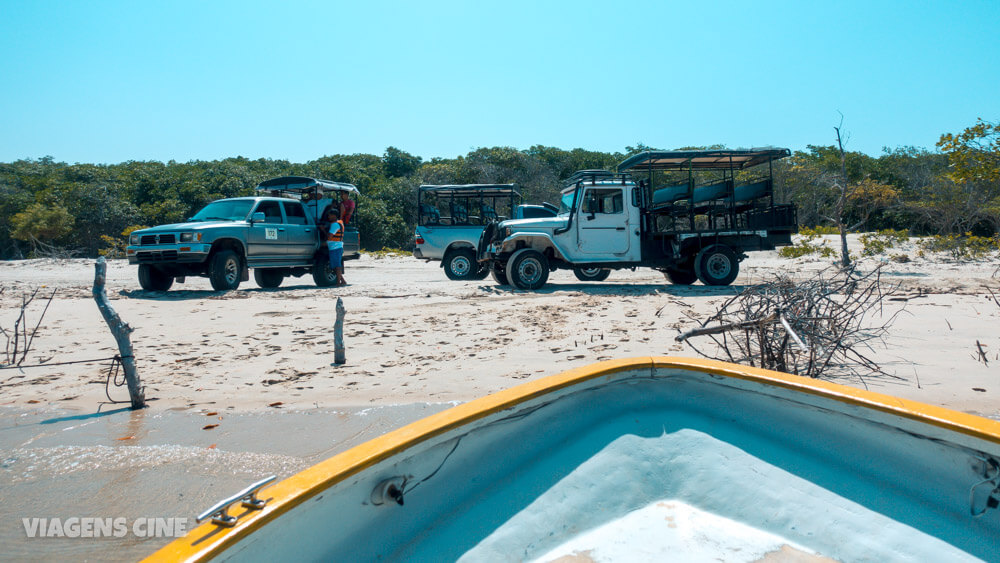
(461, 264)
(224, 270)
(267, 278)
(716, 264)
(591, 274)
(528, 269)
(499, 272)
(152, 279)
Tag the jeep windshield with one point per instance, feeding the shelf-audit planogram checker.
(566, 201)
(224, 210)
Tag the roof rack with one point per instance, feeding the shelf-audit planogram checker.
(594, 176)
(719, 159)
(472, 190)
(301, 185)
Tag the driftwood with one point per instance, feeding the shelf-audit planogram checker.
(121, 331)
(815, 327)
(338, 334)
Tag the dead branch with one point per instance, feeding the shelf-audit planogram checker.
(814, 327)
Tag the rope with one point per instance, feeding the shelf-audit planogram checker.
(113, 369)
(118, 358)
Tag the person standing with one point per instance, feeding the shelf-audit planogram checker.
(333, 230)
(346, 207)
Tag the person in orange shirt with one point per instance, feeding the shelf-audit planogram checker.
(333, 230)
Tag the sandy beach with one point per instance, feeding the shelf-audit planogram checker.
(412, 335)
(257, 364)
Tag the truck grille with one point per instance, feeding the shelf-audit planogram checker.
(148, 240)
(146, 256)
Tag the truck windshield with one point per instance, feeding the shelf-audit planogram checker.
(566, 202)
(224, 210)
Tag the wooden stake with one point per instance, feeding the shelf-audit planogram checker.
(120, 330)
(338, 335)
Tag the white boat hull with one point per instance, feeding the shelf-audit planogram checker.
(638, 460)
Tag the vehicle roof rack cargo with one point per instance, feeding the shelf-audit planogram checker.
(303, 184)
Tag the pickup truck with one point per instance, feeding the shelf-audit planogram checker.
(276, 233)
(451, 219)
(709, 209)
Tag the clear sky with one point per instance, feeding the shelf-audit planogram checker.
(106, 82)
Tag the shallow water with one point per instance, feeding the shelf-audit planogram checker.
(149, 464)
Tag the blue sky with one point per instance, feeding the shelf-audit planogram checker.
(107, 82)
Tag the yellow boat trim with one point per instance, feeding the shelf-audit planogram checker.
(208, 540)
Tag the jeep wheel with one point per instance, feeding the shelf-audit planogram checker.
(267, 278)
(528, 269)
(716, 265)
(591, 274)
(460, 265)
(224, 270)
(152, 279)
(323, 275)
(499, 272)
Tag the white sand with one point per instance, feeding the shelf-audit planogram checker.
(413, 336)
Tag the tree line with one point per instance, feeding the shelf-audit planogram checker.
(84, 209)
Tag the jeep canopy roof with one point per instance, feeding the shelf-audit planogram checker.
(721, 159)
(301, 185)
(472, 190)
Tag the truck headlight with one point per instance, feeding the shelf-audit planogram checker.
(133, 239)
(187, 237)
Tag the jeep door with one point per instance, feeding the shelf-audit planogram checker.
(302, 237)
(267, 240)
(603, 222)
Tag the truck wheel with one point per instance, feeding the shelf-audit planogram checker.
(267, 278)
(224, 270)
(678, 276)
(716, 265)
(528, 269)
(460, 265)
(152, 279)
(499, 272)
(323, 275)
(591, 274)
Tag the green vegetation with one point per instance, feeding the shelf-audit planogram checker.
(964, 247)
(807, 244)
(86, 208)
(881, 241)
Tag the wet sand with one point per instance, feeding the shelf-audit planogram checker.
(416, 343)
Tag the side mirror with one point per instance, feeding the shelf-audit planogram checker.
(257, 217)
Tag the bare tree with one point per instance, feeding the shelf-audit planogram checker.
(843, 189)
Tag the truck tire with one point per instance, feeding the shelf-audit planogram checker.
(323, 275)
(224, 270)
(267, 278)
(499, 272)
(528, 269)
(152, 279)
(591, 274)
(678, 276)
(716, 265)
(461, 264)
